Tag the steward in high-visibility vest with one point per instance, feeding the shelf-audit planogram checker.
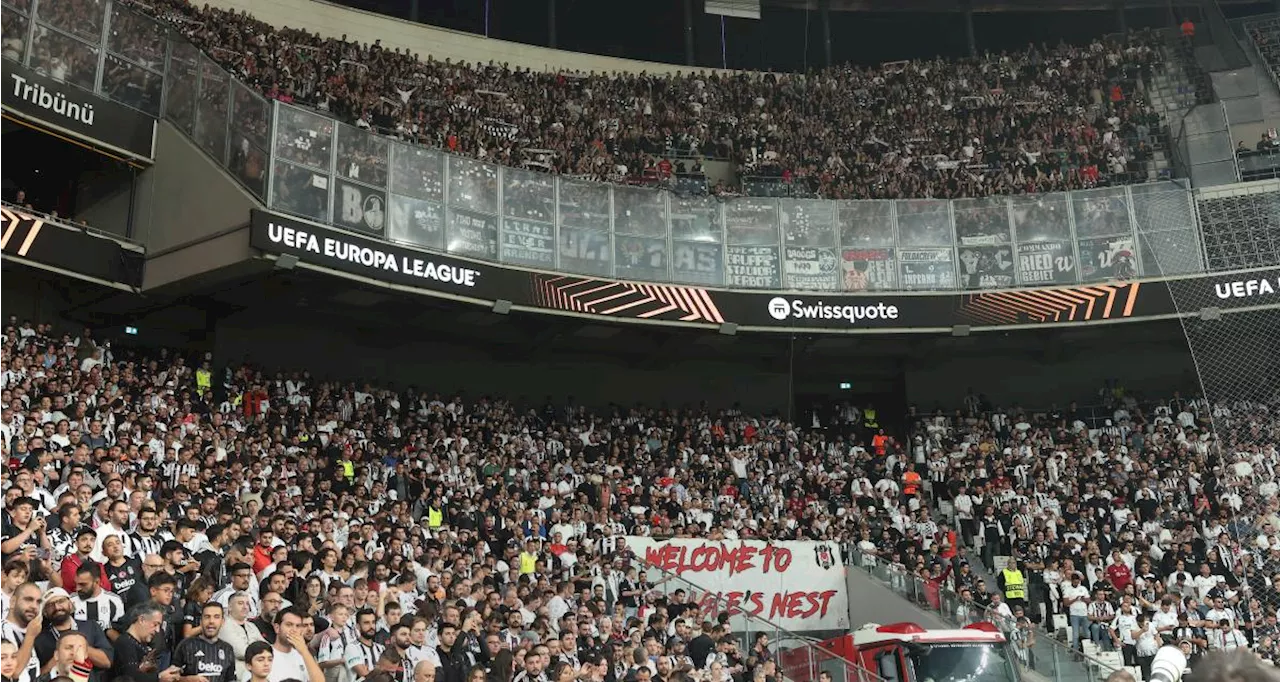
(1015, 586)
(204, 378)
(869, 418)
(435, 517)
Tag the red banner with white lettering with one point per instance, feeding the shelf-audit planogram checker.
(797, 586)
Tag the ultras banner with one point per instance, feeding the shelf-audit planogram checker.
(596, 296)
(100, 122)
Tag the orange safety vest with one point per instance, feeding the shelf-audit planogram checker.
(878, 443)
(910, 482)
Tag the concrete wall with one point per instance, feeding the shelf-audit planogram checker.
(870, 601)
(187, 201)
(293, 339)
(333, 21)
(1037, 382)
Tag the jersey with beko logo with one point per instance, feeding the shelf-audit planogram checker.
(213, 660)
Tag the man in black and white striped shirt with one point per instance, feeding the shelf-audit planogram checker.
(94, 604)
(363, 654)
(147, 539)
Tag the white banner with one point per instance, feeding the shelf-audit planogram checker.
(798, 586)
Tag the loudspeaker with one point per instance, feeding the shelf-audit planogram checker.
(502, 306)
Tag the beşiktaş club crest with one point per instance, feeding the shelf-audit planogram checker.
(824, 556)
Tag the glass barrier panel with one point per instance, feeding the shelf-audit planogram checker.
(528, 242)
(300, 191)
(751, 221)
(417, 172)
(136, 37)
(865, 223)
(584, 251)
(251, 116)
(867, 255)
(810, 259)
(753, 258)
(63, 58)
(359, 207)
(212, 106)
(471, 233)
(416, 221)
(697, 263)
(924, 222)
(528, 195)
(250, 129)
(696, 219)
(696, 234)
(1046, 252)
(982, 230)
(1108, 258)
(584, 205)
(304, 138)
(23, 6)
(642, 258)
(640, 212)
(1101, 212)
(81, 18)
(473, 185)
(982, 222)
(181, 81)
(14, 29)
(133, 86)
(362, 156)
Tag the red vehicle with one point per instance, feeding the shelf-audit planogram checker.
(906, 652)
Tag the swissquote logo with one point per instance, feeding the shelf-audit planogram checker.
(781, 308)
(52, 100)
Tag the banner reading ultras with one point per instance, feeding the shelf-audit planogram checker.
(796, 585)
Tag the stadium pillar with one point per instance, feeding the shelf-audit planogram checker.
(1121, 24)
(688, 32)
(413, 11)
(551, 24)
(824, 7)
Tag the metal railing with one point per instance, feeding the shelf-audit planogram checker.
(1036, 650)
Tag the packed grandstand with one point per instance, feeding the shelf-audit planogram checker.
(1038, 120)
(176, 517)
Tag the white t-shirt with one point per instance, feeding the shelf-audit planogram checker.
(287, 666)
(1081, 594)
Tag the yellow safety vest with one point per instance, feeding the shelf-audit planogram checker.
(435, 517)
(527, 562)
(348, 469)
(869, 419)
(1014, 586)
(204, 379)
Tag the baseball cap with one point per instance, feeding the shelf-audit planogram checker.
(53, 593)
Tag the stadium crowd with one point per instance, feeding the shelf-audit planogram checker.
(235, 524)
(1155, 523)
(1041, 119)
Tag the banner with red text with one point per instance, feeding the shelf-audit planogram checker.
(797, 586)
